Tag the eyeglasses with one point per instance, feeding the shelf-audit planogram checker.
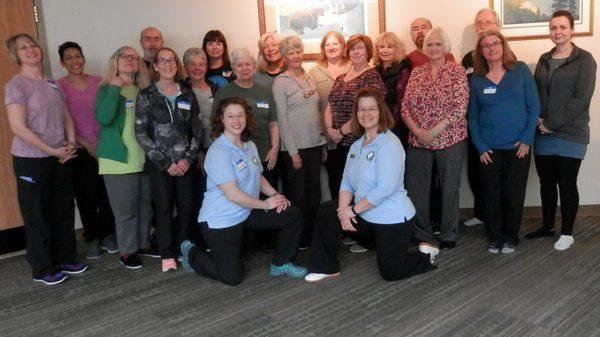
(490, 45)
(169, 61)
(128, 57)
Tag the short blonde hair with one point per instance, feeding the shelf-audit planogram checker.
(290, 43)
(262, 63)
(193, 52)
(241, 53)
(11, 46)
(394, 41)
(445, 39)
(142, 78)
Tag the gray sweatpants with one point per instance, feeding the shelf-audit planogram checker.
(419, 163)
(129, 196)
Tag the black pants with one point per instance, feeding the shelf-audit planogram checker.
(475, 180)
(92, 200)
(504, 184)
(562, 172)
(305, 187)
(336, 161)
(169, 191)
(45, 193)
(393, 241)
(224, 262)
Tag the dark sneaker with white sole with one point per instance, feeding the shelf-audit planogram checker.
(109, 244)
(73, 268)
(131, 261)
(51, 279)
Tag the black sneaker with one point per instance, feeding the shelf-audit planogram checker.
(148, 252)
(540, 233)
(73, 268)
(51, 279)
(131, 262)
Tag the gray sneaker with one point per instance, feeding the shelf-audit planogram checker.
(93, 252)
(109, 244)
(356, 248)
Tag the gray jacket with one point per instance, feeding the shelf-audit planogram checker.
(566, 97)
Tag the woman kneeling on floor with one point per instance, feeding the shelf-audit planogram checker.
(372, 199)
(231, 203)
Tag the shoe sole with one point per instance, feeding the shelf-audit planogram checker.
(108, 250)
(51, 283)
(328, 277)
(74, 272)
(130, 267)
(94, 257)
(149, 255)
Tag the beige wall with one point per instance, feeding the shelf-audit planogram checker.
(102, 26)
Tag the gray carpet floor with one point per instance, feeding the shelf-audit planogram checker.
(535, 291)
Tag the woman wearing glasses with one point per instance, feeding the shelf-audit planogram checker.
(169, 130)
(503, 111)
(120, 157)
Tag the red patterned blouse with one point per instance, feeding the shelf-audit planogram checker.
(341, 98)
(429, 101)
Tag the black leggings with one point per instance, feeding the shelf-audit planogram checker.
(562, 172)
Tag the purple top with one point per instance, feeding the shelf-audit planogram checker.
(44, 112)
(81, 105)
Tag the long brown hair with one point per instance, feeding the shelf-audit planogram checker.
(480, 65)
(217, 121)
(386, 120)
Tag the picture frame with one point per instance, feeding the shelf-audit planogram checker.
(523, 20)
(311, 19)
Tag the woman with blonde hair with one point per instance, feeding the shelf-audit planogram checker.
(393, 66)
(269, 61)
(120, 156)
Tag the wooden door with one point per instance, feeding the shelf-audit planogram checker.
(16, 16)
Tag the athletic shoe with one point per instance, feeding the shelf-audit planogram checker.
(109, 245)
(493, 248)
(289, 269)
(168, 265)
(93, 252)
(51, 279)
(185, 248)
(148, 252)
(131, 261)
(348, 241)
(564, 242)
(540, 233)
(316, 277)
(73, 268)
(472, 222)
(356, 248)
(508, 248)
(430, 250)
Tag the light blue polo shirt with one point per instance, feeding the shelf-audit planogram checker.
(224, 163)
(376, 172)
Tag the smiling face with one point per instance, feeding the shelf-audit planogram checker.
(234, 120)
(128, 61)
(243, 68)
(491, 48)
(368, 113)
(73, 61)
(333, 48)
(214, 49)
(418, 29)
(166, 64)
(358, 54)
(560, 30)
(386, 51)
(434, 48)
(196, 68)
(271, 51)
(293, 58)
(28, 52)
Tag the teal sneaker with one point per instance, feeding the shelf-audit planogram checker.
(289, 269)
(185, 248)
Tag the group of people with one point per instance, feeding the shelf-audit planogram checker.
(235, 145)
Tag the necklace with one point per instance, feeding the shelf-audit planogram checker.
(307, 93)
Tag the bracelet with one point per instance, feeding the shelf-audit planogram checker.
(353, 210)
(274, 194)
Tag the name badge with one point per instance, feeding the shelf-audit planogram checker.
(240, 165)
(129, 104)
(227, 73)
(262, 104)
(52, 84)
(211, 99)
(184, 105)
(469, 70)
(489, 90)
(370, 155)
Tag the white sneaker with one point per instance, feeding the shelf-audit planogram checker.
(316, 277)
(564, 242)
(431, 250)
(356, 248)
(472, 222)
(348, 241)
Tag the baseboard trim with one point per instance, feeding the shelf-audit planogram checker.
(536, 211)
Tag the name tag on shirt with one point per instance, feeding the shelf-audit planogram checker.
(240, 165)
(129, 104)
(469, 70)
(489, 90)
(262, 104)
(184, 105)
(227, 73)
(211, 99)
(52, 84)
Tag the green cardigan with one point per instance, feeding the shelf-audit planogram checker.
(110, 114)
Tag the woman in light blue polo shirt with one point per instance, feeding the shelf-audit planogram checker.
(372, 199)
(231, 203)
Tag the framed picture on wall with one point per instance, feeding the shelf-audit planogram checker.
(528, 19)
(311, 19)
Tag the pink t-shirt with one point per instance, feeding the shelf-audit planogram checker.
(81, 105)
(44, 112)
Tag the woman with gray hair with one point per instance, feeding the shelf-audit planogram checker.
(434, 110)
(301, 132)
(270, 63)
